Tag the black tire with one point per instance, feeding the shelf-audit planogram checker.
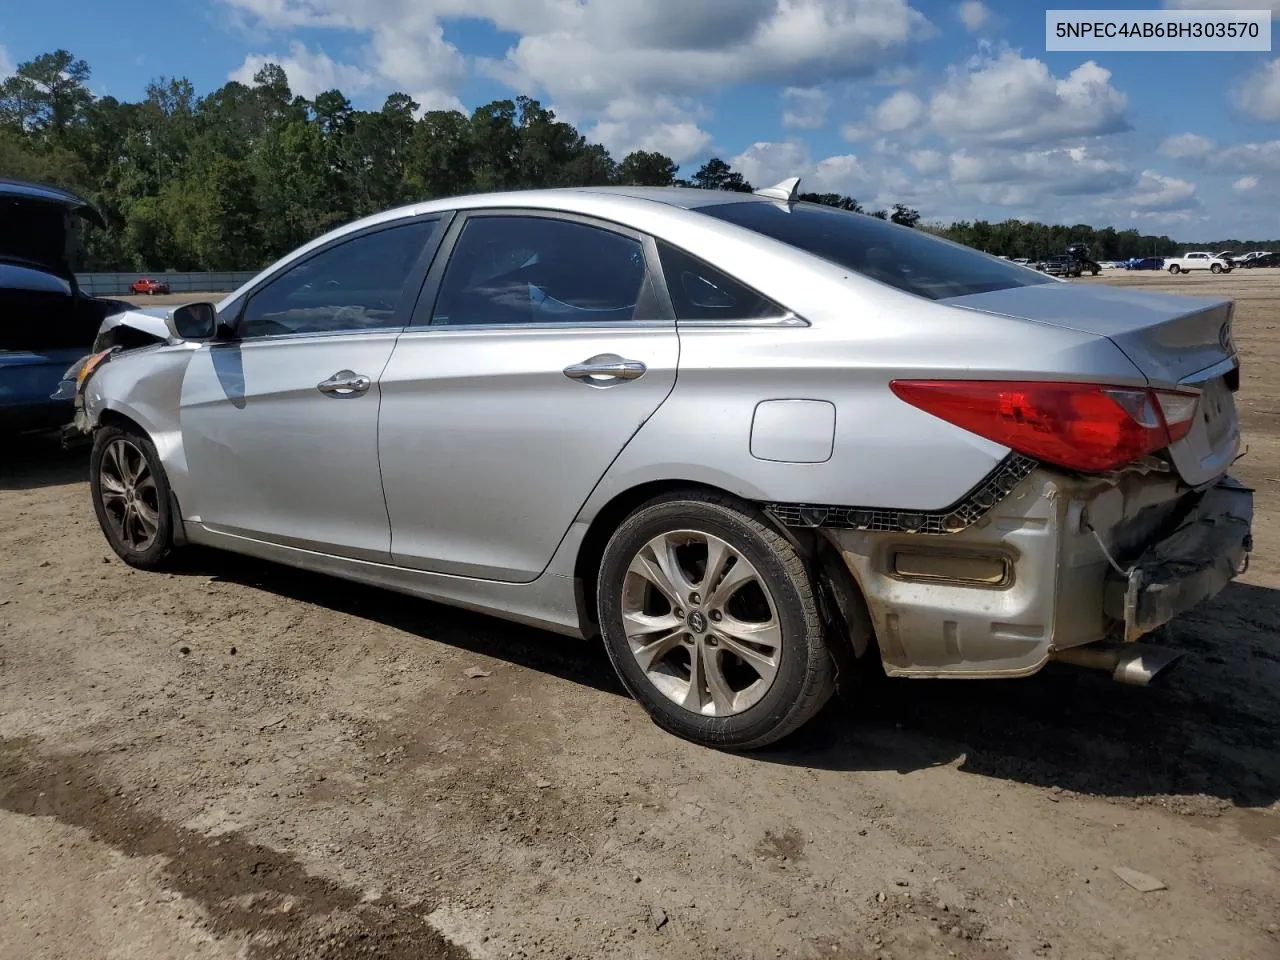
(805, 673)
(149, 490)
(1174, 269)
(1215, 268)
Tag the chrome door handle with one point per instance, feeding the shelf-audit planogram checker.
(345, 383)
(604, 370)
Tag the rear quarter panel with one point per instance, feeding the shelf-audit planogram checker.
(862, 335)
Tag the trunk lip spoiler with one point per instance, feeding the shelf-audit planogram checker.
(1219, 369)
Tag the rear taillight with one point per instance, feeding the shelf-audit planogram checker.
(1082, 426)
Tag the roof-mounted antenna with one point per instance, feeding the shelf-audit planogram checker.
(787, 190)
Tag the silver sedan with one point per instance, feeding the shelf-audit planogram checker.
(749, 442)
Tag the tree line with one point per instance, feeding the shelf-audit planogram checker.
(237, 178)
(1021, 238)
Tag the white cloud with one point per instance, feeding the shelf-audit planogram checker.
(310, 72)
(1016, 101)
(928, 162)
(616, 49)
(1158, 193)
(417, 61)
(1244, 184)
(1272, 5)
(1248, 157)
(765, 163)
(1258, 95)
(586, 54)
(413, 55)
(806, 108)
(837, 174)
(7, 66)
(1237, 158)
(660, 125)
(973, 14)
(899, 111)
(1062, 172)
(853, 132)
(602, 62)
(1186, 146)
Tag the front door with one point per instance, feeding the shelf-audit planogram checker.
(515, 387)
(280, 426)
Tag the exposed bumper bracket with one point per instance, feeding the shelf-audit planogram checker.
(1209, 549)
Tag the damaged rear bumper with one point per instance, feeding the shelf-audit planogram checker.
(1056, 565)
(1192, 564)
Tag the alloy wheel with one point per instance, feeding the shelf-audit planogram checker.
(130, 497)
(701, 623)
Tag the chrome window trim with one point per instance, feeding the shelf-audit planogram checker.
(317, 335)
(790, 320)
(417, 272)
(541, 327)
(421, 316)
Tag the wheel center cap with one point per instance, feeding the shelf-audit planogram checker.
(697, 621)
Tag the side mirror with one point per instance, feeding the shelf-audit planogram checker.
(193, 321)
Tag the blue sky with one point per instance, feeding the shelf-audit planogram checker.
(952, 107)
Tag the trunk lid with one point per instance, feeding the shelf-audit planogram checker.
(1176, 341)
(38, 226)
(1169, 337)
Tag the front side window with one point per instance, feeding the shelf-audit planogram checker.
(515, 270)
(902, 257)
(355, 285)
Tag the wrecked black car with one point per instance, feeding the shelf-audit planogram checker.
(46, 322)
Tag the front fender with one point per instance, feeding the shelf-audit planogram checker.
(145, 386)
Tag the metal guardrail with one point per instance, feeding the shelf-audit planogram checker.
(209, 281)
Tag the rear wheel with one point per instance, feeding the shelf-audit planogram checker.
(711, 620)
(1174, 268)
(131, 497)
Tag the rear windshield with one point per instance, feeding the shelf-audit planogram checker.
(908, 259)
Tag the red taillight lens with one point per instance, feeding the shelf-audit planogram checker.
(1082, 426)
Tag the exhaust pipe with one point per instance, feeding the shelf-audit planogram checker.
(1137, 664)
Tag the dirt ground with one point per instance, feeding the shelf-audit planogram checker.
(238, 760)
(169, 299)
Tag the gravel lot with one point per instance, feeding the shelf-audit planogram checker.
(238, 760)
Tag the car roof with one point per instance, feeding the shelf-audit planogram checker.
(609, 203)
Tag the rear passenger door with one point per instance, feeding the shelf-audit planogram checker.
(539, 347)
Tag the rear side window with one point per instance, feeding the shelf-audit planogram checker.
(355, 285)
(901, 257)
(701, 292)
(520, 270)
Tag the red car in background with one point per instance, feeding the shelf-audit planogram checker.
(144, 285)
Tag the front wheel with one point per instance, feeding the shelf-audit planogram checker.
(1215, 268)
(131, 497)
(711, 620)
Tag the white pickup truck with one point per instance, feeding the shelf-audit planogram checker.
(1197, 261)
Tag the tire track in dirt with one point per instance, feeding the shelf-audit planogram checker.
(244, 887)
